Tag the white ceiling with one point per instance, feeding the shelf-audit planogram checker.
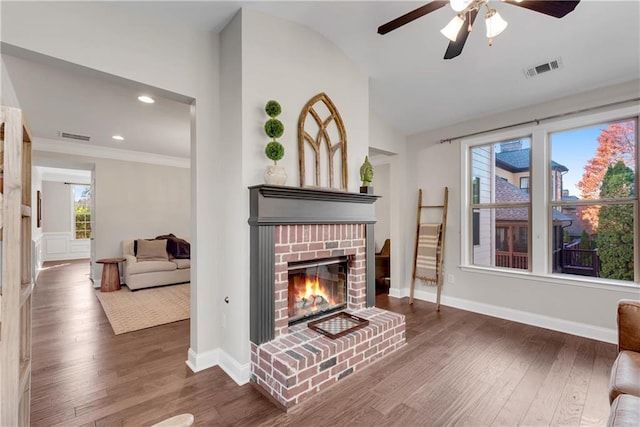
(411, 86)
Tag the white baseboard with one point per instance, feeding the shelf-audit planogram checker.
(240, 373)
(398, 293)
(198, 362)
(539, 320)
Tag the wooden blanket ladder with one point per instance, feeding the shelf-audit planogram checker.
(428, 254)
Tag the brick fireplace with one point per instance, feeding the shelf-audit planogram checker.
(290, 363)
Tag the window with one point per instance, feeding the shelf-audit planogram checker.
(593, 200)
(572, 184)
(82, 211)
(499, 208)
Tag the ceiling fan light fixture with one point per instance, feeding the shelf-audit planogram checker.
(453, 28)
(459, 5)
(495, 23)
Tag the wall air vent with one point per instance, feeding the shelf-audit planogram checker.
(536, 70)
(75, 136)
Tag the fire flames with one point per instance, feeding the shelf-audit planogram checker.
(311, 296)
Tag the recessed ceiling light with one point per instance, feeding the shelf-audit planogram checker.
(146, 99)
(118, 137)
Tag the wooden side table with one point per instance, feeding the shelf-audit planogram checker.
(110, 274)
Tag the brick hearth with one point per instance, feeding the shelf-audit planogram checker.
(298, 365)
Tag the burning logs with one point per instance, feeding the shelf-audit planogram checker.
(310, 302)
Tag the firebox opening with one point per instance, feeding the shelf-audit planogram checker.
(316, 288)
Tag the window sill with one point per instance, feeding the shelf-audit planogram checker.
(561, 279)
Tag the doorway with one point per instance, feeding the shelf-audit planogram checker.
(64, 224)
(382, 162)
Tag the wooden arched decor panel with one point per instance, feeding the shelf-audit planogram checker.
(321, 134)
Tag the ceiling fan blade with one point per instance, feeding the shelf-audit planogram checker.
(411, 16)
(557, 9)
(455, 48)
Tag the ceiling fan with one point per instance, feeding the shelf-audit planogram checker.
(467, 11)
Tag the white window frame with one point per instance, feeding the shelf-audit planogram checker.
(73, 210)
(540, 264)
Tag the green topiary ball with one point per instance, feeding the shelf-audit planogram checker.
(272, 108)
(274, 151)
(274, 128)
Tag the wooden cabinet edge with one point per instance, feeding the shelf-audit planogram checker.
(25, 292)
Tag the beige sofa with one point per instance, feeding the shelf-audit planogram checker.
(147, 273)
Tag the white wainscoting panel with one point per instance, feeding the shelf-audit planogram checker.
(61, 246)
(37, 257)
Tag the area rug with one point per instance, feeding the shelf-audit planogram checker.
(131, 311)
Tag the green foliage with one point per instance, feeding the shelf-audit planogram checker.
(585, 241)
(274, 128)
(274, 151)
(566, 238)
(615, 229)
(273, 108)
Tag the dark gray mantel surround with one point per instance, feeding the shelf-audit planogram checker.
(272, 205)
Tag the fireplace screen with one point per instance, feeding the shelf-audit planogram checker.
(316, 288)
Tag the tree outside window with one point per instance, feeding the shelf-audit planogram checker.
(82, 211)
(615, 229)
(599, 196)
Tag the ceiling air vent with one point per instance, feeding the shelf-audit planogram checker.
(74, 136)
(543, 68)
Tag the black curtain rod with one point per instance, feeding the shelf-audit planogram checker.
(76, 183)
(537, 121)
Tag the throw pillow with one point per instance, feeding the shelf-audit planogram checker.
(152, 250)
(177, 247)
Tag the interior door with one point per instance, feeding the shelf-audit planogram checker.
(17, 279)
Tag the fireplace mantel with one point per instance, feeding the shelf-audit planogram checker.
(272, 206)
(277, 205)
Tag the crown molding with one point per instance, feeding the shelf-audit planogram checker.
(80, 149)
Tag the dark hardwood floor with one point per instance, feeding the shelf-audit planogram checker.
(458, 368)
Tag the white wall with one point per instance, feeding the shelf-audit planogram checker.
(291, 68)
(381, 187)
(385, 138)
(569, 306)
(107, 38)
(8, 96)
(294, 66)
(56, 207)
(36, 232)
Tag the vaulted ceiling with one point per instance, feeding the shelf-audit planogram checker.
(411, 86)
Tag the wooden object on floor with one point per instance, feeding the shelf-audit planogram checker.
(182, 420)
(17, 278)
(438, 280)
(383, 266)
(458, 368)
(110, 274)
